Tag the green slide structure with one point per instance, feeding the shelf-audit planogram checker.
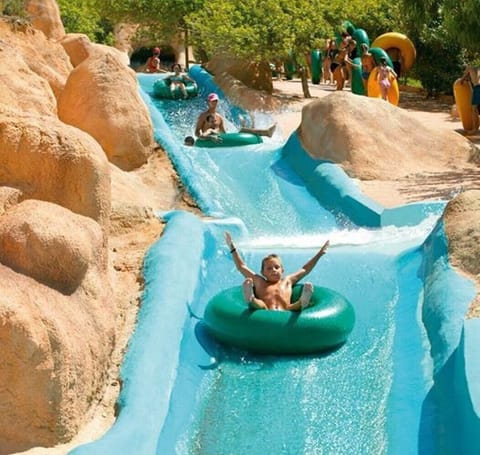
(316, 66)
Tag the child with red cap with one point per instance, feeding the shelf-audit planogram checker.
(153, 62)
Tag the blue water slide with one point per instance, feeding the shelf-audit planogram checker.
(406, 381)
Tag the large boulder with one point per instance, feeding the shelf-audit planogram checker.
(56, 253)
(48, 160)
(102, 98)
(45, 16)
(79, 47)
(255, 75)
(463, 232)
(373, 139)
(26, 52)
(461, 224)
(55, 345)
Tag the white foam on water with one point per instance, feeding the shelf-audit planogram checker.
(378, 237)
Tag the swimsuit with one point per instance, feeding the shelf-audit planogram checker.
(365, 75)
(385, 83)
(152, 63)
(476, 95)
(176, 78)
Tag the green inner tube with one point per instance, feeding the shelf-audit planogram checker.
(322, 326)
(230, 140)
(357, 81)
(378, 53)
(316, 66)
(161, 89)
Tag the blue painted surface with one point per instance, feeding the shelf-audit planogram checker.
(406, 382)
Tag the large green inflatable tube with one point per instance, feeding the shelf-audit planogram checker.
(378, 53)
(361, 37)
(357, 81)
(322, 326)
(348, 27)
(316, 66)
(230, 140)
(161, 89)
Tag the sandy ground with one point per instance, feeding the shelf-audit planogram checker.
(129, 244)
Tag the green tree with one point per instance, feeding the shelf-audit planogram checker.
(440, 59)
(158, 20)
(83, 16)
(460, 18)
(441, 51)
(258, 30)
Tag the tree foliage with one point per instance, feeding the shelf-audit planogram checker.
(460, 18)
(83, 16)
(242, 29)
(440, 59)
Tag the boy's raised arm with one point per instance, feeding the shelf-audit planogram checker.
(308, 267)
(237, 259)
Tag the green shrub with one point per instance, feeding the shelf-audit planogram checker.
(440, 61)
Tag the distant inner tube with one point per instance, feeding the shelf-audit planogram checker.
(401, 42)
(161, 89)
(230, 140)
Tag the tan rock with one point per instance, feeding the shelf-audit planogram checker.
(21, 88)
(9, 197)
(101, 97)
(48, 160)
(23, 52)
(373, 139)
(79, 47)
(55, 253)
(55, 347)
(462, 216)
(45, 16)
(463, 232)
(253, 74)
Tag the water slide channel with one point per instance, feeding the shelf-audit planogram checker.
(404, 382)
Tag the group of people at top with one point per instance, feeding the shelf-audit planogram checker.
(269, 290)
(176, 80)
(339, 59)
(210, 124)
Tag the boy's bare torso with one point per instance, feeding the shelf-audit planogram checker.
(276, 295)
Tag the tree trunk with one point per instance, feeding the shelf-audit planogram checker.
(187, 58)
(304, 78)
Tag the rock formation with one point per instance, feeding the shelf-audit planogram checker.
(57, 312)
(373, 139)
(100, 96)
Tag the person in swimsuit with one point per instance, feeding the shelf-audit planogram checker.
(397, 59)
(338, 67)
(351, 50)
(272, 290)
(177, 79)
(327, 61)
(211, 119)
(367, 65)
(153, 62)
(383, 77)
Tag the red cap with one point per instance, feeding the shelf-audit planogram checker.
(156, 50)
(212, 97)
